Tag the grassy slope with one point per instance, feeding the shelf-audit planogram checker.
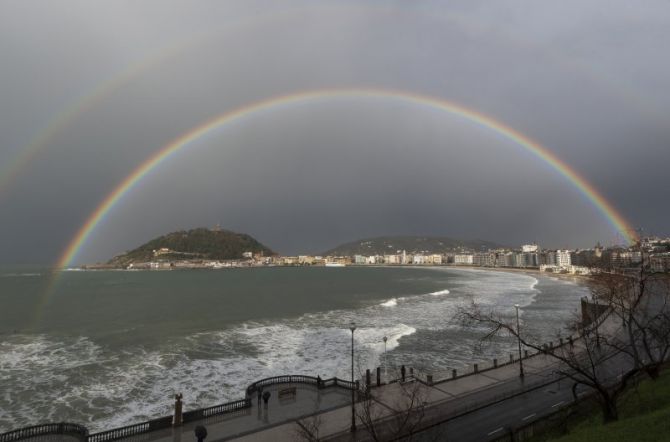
(644, 416)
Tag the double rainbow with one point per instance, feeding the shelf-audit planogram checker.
(617, 221)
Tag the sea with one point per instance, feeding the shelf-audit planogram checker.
(111, 348)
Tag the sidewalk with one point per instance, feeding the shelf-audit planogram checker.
(443, 398)
(308, 400)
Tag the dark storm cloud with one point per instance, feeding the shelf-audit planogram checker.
(587, 80)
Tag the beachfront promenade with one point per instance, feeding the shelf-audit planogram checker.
(478, 405)
(443, 399)
(287, 419)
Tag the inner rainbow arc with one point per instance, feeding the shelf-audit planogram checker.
(616, 219)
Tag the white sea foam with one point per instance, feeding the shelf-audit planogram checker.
(390, 303)
(440, 292)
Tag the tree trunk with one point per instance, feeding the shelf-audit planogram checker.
(610, 411)
(653, 371)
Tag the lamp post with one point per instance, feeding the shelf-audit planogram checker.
(518, 336)
(385, 361)
(352, 327)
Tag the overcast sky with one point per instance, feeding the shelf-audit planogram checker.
(589, 80)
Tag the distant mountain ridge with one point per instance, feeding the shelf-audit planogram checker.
(200, 243)
(411, 244)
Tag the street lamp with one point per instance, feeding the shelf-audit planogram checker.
(518, 336)
(385, 360)
(352, 327)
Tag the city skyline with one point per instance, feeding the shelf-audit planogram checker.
(308, 125)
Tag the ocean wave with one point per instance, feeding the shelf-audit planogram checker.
(440, 292)
(390, 303)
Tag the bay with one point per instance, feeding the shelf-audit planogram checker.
(110, 348)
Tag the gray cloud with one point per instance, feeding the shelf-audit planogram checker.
(587, 80)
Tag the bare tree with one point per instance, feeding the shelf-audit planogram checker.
(581, 359)
(308, 429)
(395, 412)
(641, 301)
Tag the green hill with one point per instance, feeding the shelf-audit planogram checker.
(644, 415)
(411, 244)
(198, 243)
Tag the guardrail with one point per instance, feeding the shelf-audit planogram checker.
(229, 407)
(166, 422)
(160, 423)
(132, 430)
(64, 428)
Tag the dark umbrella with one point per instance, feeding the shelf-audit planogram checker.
(200, 433)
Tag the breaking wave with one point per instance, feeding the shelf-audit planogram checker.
(440, 292)
(390, 303)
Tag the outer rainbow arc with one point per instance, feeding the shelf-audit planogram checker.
(12, 169)
(587, 189)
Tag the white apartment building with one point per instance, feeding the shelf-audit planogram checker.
(563, 258)
(418, 259)
(529, 248)
(393, 259)
(463, 259)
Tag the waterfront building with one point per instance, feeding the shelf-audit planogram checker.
(484, 259)
(505, 259)
(306, 260)
(418, 259)
(530, 259)
(548, 257)
(563, 258)
(625, 258)
(530, 248)
(392, 259)
(463, 259)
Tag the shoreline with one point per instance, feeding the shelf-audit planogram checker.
(528, 271)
